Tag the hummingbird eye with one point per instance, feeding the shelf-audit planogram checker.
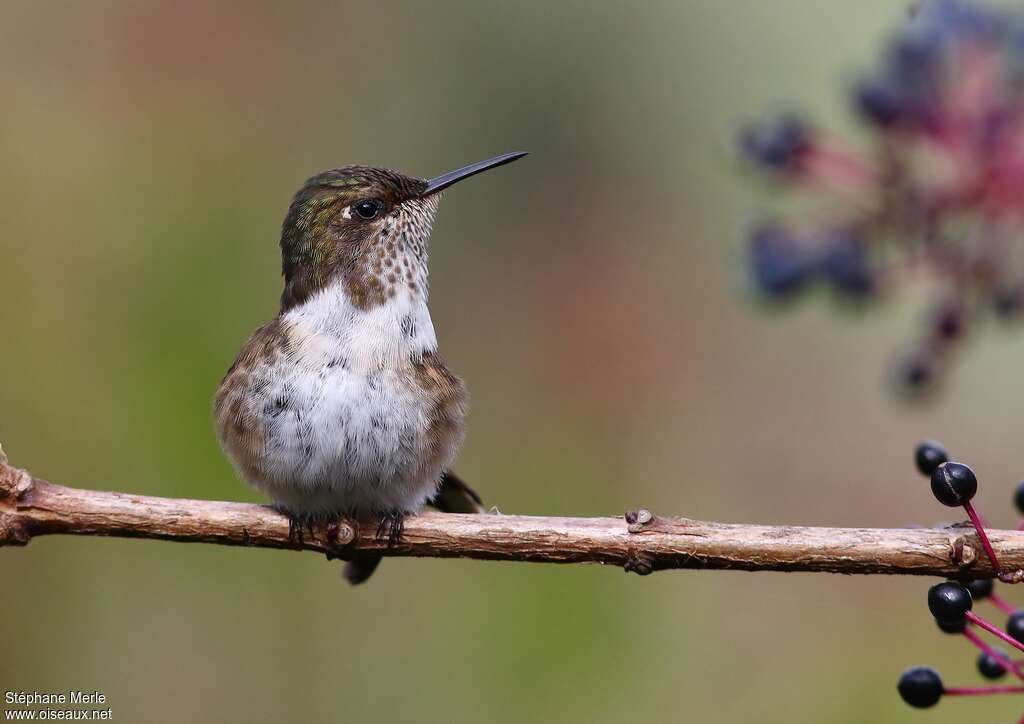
(367, 209)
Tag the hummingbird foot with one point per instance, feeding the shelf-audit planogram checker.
(296, 524)
(392, 523)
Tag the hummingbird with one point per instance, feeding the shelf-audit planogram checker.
(341, 404)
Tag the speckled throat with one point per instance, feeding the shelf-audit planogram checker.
(395, 257)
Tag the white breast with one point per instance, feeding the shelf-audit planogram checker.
(328, 326)
(345, 427)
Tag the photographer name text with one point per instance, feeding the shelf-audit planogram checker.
(28, 698)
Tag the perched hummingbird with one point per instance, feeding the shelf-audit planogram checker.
(341, 405)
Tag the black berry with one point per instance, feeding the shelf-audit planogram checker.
(1015, 625)
(1018, 498)
(990, 667)
(920, 687)
(949, 601)
(954, 484)
(980, 588)
(952, 627)
(929, 455)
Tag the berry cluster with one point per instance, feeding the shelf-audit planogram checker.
(939, 195)
(952, 602)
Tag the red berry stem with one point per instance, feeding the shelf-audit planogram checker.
(997, 632)
(976, 522)
(1001, 603)
(1011, 666)
(982, 690)
(836, 169)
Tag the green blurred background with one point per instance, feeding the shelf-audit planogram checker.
(592, 295)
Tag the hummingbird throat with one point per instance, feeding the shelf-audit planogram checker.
(374, 315)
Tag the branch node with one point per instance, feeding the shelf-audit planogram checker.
(640, 564)
(14, 482)
(332, 532)
(961, 552)
(339, 533)
(637, 520)
(1011, 576)
(12, 533)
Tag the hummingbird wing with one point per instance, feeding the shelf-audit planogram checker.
(453, 496)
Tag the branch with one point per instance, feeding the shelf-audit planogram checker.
(640, 541)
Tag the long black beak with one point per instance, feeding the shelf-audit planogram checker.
(439, 183)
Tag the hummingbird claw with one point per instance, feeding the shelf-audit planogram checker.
(392, 523)
(333, 527)
(295, 524)
(295, 533)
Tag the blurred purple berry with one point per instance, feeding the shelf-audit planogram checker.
(990, 667)
(1018, 498)
(980, 588)
(880, 101)
(779, 266)
(845, 265)
(776, 143)
(929, 455)
(1015, 625)
(1008, 301)
(917, 371)
(949, 321)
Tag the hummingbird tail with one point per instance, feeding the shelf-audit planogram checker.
(361, 567)
(453, 496)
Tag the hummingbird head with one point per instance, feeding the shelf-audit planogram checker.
(366, 228)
